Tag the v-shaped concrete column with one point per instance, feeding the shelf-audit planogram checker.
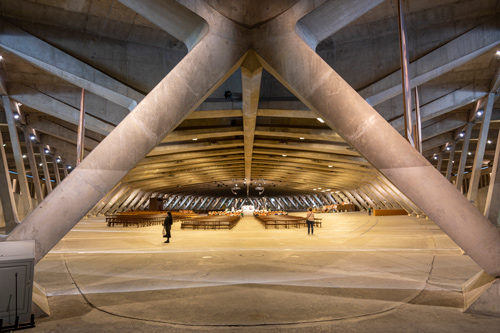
(318, 86)
(251, 74)
(203, 69)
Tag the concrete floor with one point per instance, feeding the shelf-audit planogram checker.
(358, 273)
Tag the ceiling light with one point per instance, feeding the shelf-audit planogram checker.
(283, 155)
(497, 54)
(24, 156)
(4, 144)
(479, 113)
(195, 139)
(58, 160)
(330, 166)
(16, 116)
(32, 137)
(469, 153)
(320, 120)
(69, 167)
(1, 58)
(448, 148)
(328, 189)
(47, 151)
(461, 134)
(319, 188)
(314, 189)
(301, 138)
(40, 164)
(435, 157)
(489, 141)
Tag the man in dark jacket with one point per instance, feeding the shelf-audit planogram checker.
(167, 224)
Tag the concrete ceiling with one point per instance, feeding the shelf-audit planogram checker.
(53, 49)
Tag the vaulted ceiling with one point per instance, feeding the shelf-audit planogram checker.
(53, 49)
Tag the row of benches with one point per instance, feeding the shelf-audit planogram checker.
(210, 222)
(142, 220)
(286, 221)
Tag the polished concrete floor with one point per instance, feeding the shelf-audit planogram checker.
(357, 273)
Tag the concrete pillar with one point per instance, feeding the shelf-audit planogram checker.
(142, 200)
(107, 207)
(217, 55)
(55, 165)
(402, 202)
(123, 207)
(7, 194)
(304, 73)
(34, 168)
(18, 157)
(449, 169)
(45, 168)
(481, 145)
(463, 157)
(102, 203)
(440, 162)
(360, 200)
(353, 200)
(251, 74)
(492, 206)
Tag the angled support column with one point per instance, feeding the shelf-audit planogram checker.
(353, 200)
(481, 145)
(440, 161)
(45, 168)
(319, 87)
(492, 207)
(196, 76)
(463, 157)
(251, 74)
(449, 169)
(18, 156)
(6, 194)
(55, 165)
(34, 168)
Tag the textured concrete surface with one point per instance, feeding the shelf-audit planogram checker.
(358, 273)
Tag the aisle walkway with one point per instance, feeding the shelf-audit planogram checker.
(356, 273)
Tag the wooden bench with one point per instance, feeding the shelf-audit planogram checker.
(210, 222)
(141, 220)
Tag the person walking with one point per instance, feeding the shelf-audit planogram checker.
(167, 225)
(310, 221)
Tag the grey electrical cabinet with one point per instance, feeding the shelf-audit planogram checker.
(17, 262)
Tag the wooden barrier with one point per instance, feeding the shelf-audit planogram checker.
(388, 212)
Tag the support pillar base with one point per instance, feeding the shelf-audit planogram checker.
(482, 295)
(40, 307)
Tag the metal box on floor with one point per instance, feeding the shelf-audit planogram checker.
(17, 262)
